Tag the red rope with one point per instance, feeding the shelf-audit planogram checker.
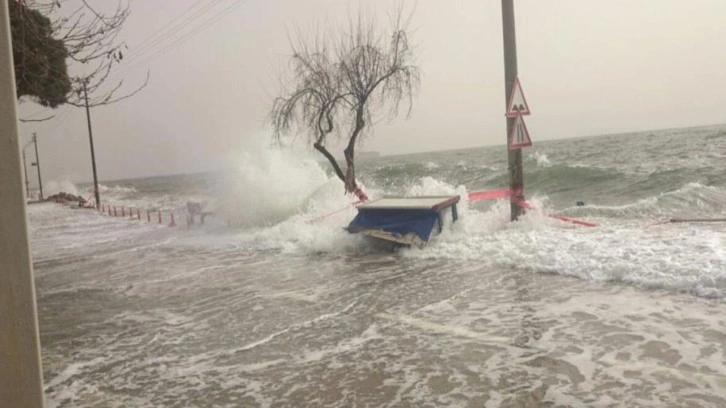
(501, 194)
(322, 217)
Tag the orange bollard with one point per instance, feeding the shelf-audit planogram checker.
(159, 216)
(131, 213)
(115, 214)
(172, 223)
(138, 214)
(148, 216)
(123, 212)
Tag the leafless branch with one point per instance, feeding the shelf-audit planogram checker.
(346, 82)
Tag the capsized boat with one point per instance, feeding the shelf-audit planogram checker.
(405, 220)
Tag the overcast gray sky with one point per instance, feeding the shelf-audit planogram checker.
(587, 68)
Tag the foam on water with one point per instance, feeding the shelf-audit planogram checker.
(626, 247)
(682, 257)
(271, 185)
(541, 159)
(195, 315)
(116, 189)
(286, 308)
(59, 186)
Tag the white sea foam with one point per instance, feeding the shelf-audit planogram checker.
(541, 159)
(677, 257)
(272, 184)
(59, 186)
(293, 310)
(115, 189)
(693, 200)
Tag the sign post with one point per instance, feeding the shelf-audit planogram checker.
(517, 135)
(21, 384)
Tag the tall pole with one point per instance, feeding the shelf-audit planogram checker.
(93, 152)
(37, 164)
(21, 381)
(25, 173)
(516, 176)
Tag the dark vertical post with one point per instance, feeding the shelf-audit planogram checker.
(93, 153)
(37, 164)
(21, 381)
(25, 172)
(516, 176)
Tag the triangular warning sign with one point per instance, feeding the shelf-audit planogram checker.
(517, 102)
(520, 135)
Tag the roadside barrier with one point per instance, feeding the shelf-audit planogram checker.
(133, 213)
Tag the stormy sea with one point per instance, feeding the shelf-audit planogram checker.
(271, 303)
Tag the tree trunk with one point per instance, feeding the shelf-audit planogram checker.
(350, 184)
(338, 171)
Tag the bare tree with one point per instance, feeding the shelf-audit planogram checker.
(83, 36)
(89, 45)
(341, 82)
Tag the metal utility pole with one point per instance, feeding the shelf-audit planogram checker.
(37, 164)
(516, 175)
(25, 172)
(22, 376)
(93, 153)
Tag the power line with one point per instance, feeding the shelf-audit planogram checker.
(172, 28)
(157, 32)
(61, 118)
(188, 35)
